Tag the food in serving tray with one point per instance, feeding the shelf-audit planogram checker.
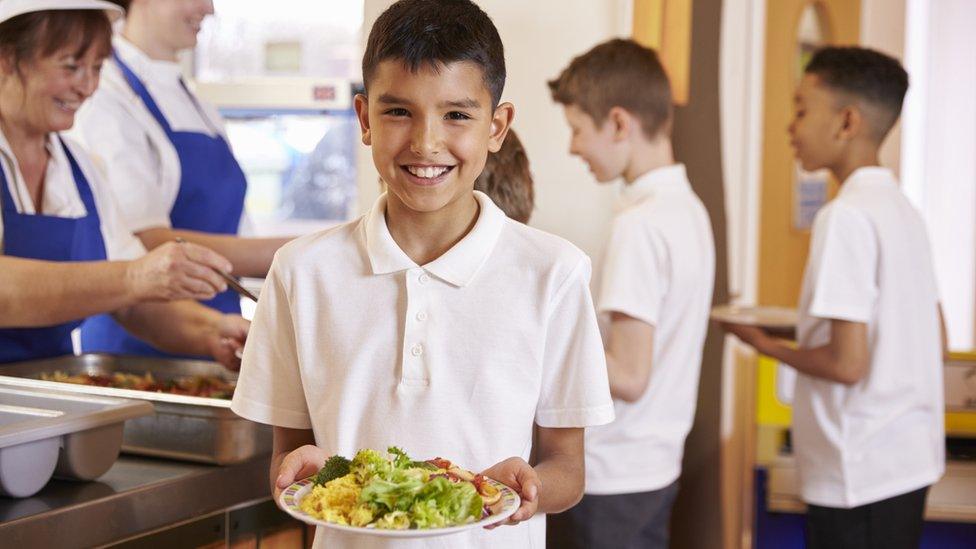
(201, 386)
(396, 492)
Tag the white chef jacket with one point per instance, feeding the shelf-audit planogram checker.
(129, 145)
(61, 198)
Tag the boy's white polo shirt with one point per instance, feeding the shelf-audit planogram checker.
(870, 262)
(456, 358)
(659, 268)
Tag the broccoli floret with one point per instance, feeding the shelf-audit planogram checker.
(335, 467)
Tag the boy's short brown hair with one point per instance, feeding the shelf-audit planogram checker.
(507, 179)
(618, 73)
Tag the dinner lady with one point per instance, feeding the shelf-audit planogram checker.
(59, 223)
(166, 154)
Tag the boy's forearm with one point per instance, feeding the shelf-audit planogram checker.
(562, 479)
(818, 362)
(625, 384)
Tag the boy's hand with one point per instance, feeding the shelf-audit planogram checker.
(300, 463)
(750, 335)
(519, 475)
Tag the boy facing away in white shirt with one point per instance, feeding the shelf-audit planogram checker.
(868, 411)
(434, 322)
(656, 291)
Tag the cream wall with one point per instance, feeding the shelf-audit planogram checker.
(940, 162)
(883, 28)
(540, 38)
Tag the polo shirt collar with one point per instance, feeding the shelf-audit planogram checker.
(868, 175)
(458, 266)
(668, 177)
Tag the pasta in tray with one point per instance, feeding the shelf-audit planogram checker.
(201, 386)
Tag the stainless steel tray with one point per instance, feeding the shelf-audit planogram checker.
(71, 436)
(185, 427)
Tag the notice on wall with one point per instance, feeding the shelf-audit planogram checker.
(809, 195)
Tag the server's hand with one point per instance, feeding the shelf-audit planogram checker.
(228, 340)
(177, 271)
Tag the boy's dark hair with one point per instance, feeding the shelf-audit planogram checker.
(435, 33)
(618, 73)
(868, 75)
(507, 179)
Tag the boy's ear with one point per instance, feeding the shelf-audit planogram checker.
(852, 122)
(362, 113)
(501, 120)
(622, 123)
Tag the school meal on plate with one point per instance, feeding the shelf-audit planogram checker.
(396, 492)
(201, 386)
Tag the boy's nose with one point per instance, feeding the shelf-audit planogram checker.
(426, 141)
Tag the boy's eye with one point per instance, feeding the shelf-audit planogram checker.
(456, 115)
(398, 111)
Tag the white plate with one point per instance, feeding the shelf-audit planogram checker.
(776, 318)
(290, 500)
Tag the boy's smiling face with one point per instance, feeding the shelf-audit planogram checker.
(430, 131)
(597, 145)
(817, 125)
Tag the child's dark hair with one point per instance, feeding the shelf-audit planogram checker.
(435, 33)
(507, 179)
(618, 73)
(866, 74)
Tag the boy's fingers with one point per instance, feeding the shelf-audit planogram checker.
(529, 482)
(296, 465)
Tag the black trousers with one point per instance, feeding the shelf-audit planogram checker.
(893, 523)
(625, 521)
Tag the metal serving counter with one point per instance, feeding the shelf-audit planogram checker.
(135, 496)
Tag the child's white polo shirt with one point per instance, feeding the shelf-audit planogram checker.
(870, 262)
(659, 268)
(456, 358)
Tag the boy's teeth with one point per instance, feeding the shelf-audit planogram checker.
(427, 172)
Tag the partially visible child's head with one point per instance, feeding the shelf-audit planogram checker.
(507, 179)
(847, 94)
(434, 71)
(608, 92)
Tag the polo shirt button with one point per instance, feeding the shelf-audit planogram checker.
(423, 278)
(421, 316)
(417, 350)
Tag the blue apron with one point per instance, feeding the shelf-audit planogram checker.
(48, 238)
(210, 199)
